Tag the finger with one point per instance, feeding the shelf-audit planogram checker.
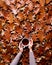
(31, 42)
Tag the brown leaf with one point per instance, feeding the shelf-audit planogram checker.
(18, 30)
(30, 6)
(26, 10)
(20, 16)
(40, 50)
(2, 4)
(26, 34)
(42, 2)
(9, 49)
(10, 17)
(14, 50)
(49, 36)
(41, 35)
(14, 43)
(7, 35)
(4, 44)
(17, 21)
(48, 55)
(6, 57)
(34, 37)
(2, 63)
(30, 17)
(0, 26)
(0, 49)
(47, 1)
(47, 46)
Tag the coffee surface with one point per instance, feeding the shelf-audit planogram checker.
(25, 41)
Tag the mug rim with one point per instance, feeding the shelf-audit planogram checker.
(23, 44)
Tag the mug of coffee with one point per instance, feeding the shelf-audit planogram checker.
(25, 42)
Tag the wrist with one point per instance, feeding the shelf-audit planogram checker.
(21, 50)
(30, 49)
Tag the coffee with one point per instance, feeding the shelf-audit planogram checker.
(25, 41)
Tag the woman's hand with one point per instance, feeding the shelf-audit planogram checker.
(20, 47)
(30, 44)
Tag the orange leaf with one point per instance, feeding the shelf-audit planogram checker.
(20, 16)
(42, 2)
(30, 6)
(10, 17)
(7, 35)
(47, 1)
(6, 57)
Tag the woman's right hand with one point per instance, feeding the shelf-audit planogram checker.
(20, 47)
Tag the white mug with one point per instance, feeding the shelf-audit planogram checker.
(25, 42)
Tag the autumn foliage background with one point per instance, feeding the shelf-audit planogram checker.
(26, 18)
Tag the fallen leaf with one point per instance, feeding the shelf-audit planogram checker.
(42, 2)
(47, 1)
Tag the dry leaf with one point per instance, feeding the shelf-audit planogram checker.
(20, 16)
(42, 2)
(47, 1)
(6, 57)
(10, 18)
(7, 35)
(30, 6)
